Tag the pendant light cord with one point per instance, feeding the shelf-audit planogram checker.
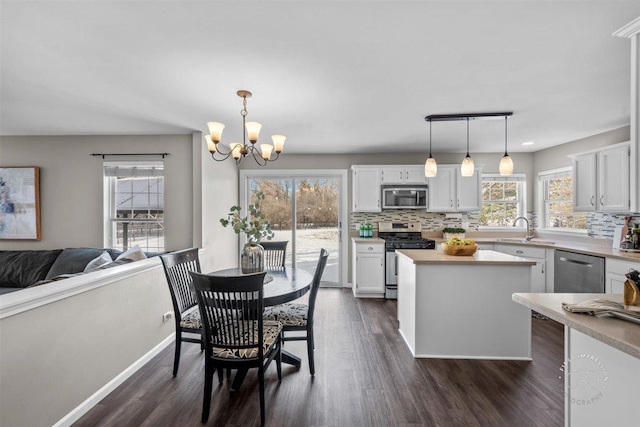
(468, 137)
(430, 139)
(505, 136)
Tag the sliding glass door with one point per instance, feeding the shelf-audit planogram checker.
(306, 212)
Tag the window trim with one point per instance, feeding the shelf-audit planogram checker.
(109, 196)
(521, 180)
(544, 176)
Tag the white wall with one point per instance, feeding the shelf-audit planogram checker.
(71, 185)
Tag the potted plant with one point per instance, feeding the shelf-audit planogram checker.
(256, 227)
(449, 232)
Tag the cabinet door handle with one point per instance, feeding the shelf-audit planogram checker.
(458, 203)
(601, 203)
(592, 198)
(519, 252)
(370, 248)
(542, 268)
(451, 203)
(400, 175)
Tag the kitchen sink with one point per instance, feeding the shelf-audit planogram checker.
(534, 241)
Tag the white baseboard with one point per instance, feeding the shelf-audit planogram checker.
(94, 399)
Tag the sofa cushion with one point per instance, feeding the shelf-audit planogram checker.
(133, 254)
(23, 268)
(102, 259)
(74, 260)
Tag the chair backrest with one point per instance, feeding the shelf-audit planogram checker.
(231, 310)
(315, 284)
(177, 266)
(274, 253)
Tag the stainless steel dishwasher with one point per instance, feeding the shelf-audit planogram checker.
(578, 273)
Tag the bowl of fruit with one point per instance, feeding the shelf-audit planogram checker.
(457, 246)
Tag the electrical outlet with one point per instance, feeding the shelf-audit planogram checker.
(168, 315)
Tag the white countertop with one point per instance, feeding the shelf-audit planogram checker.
(430, 256)
(367, 240)
(620, 334)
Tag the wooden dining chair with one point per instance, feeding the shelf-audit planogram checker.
(296, 317)
(177, 266)
(274, 253)
(235, 333)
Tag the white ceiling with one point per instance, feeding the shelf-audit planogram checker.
(334, 76)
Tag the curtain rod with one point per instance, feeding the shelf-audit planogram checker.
(129, 154)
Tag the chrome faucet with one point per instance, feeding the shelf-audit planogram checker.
(529, 236)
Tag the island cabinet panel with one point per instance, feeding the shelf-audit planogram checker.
(607, 395)
(455, 308)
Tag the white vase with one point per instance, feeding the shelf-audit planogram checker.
(252, 258)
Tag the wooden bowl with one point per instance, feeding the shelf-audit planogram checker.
(462, 250)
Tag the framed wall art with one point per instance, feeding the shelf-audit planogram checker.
(20, 203)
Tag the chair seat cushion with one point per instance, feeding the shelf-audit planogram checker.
(191, 320)
(270, 336)
(289, 314)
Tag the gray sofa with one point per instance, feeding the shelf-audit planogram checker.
(23, 269)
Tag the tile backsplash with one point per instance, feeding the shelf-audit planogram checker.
(599, 225)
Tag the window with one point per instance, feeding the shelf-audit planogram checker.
(502, 199)
(557, 192)
(134, 196)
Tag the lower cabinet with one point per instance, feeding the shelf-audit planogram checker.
(538, 271)
(615, 274)
(368, 270)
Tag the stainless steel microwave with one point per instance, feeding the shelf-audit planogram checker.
(404, 197)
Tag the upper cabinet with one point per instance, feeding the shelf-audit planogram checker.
(365, 189)
(601, 180)
(451, 192)
(405, 175)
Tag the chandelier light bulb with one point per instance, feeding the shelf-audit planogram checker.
(236, 149)
(506, 165)
(430, 167)
(253, 130)
(467, 168)
(211, 146)
(215, 131)
(278, 142)
(266, 151)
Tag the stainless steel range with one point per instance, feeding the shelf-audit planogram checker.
(399, 235)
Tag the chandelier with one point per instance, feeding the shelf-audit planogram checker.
(239, 150)
(467, 168)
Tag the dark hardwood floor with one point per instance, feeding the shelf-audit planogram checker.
(365, 376)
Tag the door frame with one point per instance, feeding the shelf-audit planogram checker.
(343, 216)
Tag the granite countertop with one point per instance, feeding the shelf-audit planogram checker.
(430, 256)
(578, 247)
(620, 334)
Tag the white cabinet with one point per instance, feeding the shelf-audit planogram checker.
(365, 189)
(538, 271)
(451, 192)
(368, 273)
(601, 180)
(403, 175)
(615, 274)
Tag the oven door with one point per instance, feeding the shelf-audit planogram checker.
(391, 269)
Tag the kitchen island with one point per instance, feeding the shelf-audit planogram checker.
(602, 361)
(460, 307)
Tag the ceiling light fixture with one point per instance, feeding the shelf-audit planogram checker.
(239, 150)
(506, 163)
(468, 167)
(527, 143)
(430, 166)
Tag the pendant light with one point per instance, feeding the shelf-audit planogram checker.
(506, 164)
(430, 166)
(467, 168)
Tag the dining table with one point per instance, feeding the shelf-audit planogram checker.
(281, 285)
